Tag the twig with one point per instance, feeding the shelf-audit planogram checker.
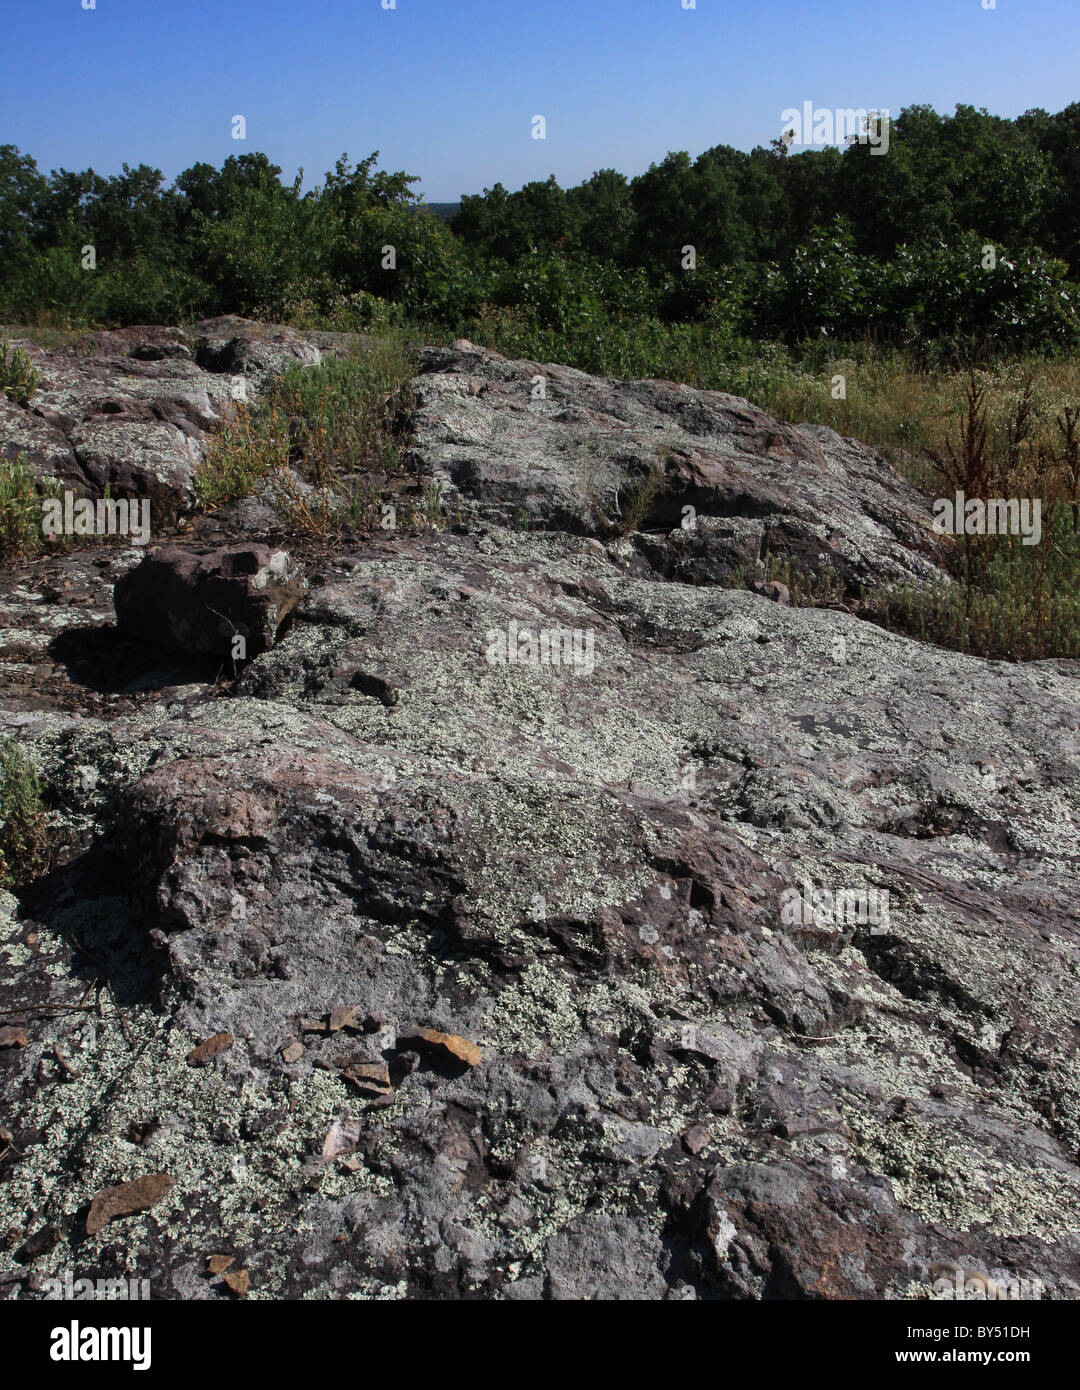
(33, 1010)
(120, 1015)
(108, 985)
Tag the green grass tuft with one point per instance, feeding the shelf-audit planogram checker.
(332, 425)
(18, 378)
(21, 814)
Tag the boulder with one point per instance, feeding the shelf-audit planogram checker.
(200, 604)
(129, 409)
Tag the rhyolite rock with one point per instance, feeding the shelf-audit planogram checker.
(532, 444)
(200, 604)
(386, 826)
(130, 409)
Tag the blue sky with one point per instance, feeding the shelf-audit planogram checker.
(447, 88)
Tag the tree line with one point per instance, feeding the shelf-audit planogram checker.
(969, 227)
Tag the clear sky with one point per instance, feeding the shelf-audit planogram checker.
(447, 89)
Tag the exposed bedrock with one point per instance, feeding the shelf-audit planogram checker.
(512, 873)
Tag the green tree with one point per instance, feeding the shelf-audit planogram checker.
(601, 216)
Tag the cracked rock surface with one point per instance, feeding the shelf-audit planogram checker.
(129, 410)
(386, 831)
(527, 443)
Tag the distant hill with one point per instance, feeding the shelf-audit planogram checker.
(443, 210)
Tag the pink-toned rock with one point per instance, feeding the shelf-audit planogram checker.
(229, 602)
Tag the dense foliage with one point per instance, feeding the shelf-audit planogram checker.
(828, 242)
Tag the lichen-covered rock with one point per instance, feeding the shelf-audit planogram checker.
(128, 410)
(592, 825)
(525, 443)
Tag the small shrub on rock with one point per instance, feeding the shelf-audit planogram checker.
(20, 510)
(21, 813)
(18, 378)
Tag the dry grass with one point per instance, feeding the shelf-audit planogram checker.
(315, 438)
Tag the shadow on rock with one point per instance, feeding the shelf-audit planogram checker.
(83, 901)
(103, 659)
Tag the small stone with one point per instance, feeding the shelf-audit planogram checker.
(695, 1139)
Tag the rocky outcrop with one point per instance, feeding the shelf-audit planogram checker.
(531, 444)
(128, 411)
(512, 874)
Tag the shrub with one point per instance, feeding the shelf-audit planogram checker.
(20, 510)
(341, 413)
(21, 813)
(638, 500)
(326, 425)
(18, 378)
(1025, 606)
(249, 444)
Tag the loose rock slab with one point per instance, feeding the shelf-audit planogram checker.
(200, 603)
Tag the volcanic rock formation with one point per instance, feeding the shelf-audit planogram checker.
(515, 973)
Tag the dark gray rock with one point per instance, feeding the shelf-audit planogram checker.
(200, 604)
